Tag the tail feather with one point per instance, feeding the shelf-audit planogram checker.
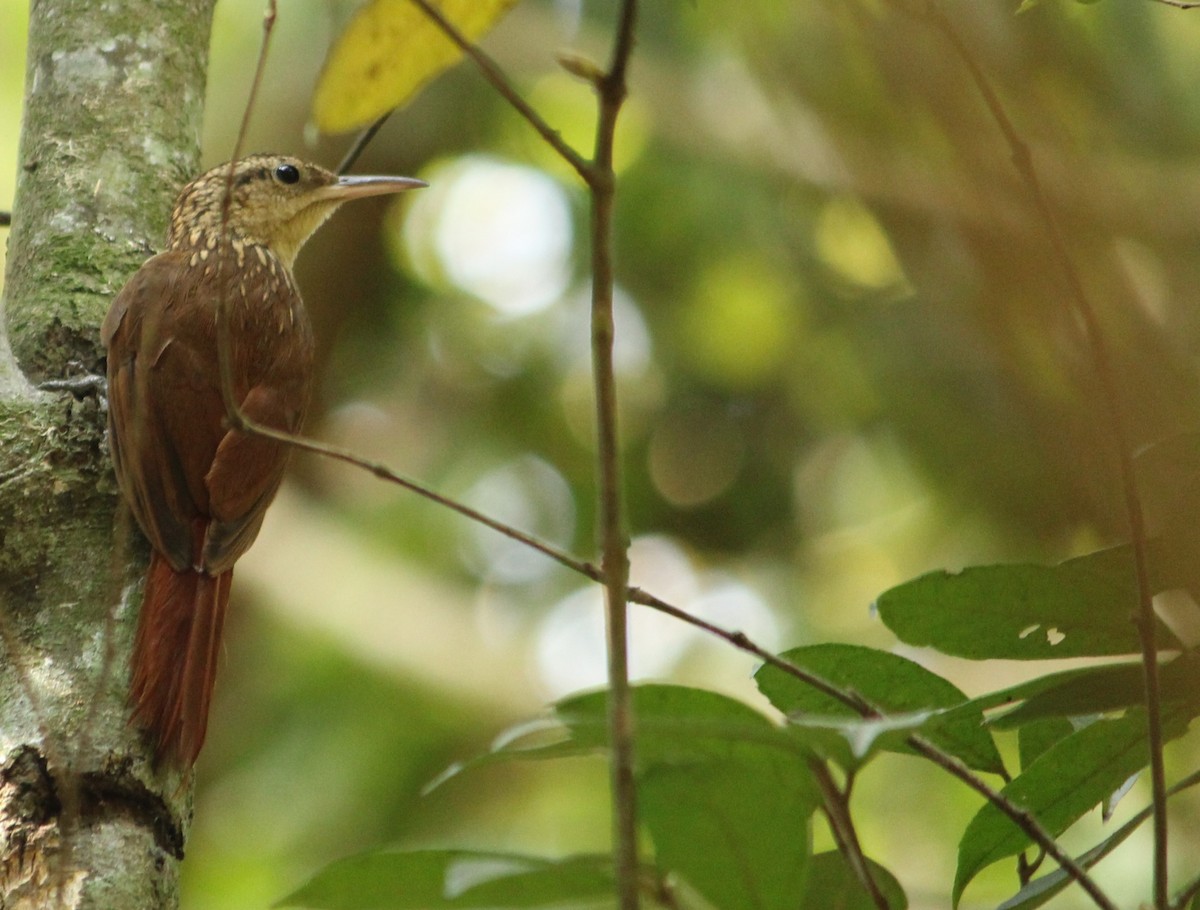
(175, 657)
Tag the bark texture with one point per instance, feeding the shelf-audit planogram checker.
(114, 97)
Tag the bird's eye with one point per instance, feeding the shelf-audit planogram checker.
(287, 173)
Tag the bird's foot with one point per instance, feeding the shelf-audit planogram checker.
(84, 385)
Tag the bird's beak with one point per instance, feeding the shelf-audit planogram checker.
(348, 188)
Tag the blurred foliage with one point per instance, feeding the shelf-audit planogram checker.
(845, 359)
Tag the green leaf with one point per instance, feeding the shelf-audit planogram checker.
(1013, 695)
(725, 794)
(433, 879)
(678, 724)
(675, 724)
(832, 885)
(853, 741)
(1105, 689)
(1035, 738)
(1078, 608)
(737, 830)
(897, 685)
(388, 51)
(1062, 784)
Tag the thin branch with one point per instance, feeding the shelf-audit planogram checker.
(361, 142)
(1019, 816)
(1179, 4)
(495, 76)
(1111, 399)
(224, 341)
(383, 472)
(259, 68)
(742, 642)
(836, 805)
(580, 566)
(611, 91)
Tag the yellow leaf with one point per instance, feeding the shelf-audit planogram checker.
(388, 51)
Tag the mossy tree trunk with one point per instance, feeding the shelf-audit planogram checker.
(114, 95)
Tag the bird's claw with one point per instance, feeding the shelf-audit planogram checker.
(87, 384)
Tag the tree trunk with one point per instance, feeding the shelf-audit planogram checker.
(114, 95)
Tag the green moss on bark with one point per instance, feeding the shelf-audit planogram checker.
(111, 130)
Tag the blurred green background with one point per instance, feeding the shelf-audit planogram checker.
(845, 358)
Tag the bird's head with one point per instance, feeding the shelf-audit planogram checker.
(274, 201)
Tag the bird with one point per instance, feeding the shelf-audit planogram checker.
(197, 487)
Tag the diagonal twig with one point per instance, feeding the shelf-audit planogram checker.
(495, 76)
(361, 143)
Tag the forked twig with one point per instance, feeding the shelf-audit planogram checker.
(836, 805)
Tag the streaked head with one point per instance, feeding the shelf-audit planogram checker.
(274, 200)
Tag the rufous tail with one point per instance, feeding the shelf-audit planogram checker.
(175, 657)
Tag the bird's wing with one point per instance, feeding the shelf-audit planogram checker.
(197, 488)
(164, 411)
(247, 469)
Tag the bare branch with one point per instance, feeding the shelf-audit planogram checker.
(611, 91)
